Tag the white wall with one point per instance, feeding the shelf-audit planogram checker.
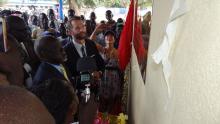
(195, 74)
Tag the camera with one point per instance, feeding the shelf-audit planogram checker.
(85, 83)
(85, 77)
(85, 67)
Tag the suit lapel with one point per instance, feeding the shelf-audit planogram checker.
(74, 50)
(53, 70)
(88, 49)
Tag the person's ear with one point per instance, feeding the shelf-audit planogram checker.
(42, 54)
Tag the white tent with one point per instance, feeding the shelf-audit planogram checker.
(190, 92)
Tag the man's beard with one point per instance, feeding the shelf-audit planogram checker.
(80, 36)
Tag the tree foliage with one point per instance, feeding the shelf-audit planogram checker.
(98, 3)
(107, 3)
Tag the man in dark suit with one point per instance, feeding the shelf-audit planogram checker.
(52, 55)
(80, 47)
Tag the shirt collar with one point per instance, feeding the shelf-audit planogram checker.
(78, 47)
(58, 67)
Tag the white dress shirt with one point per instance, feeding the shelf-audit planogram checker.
(78, 47)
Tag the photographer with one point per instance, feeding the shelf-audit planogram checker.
(98, 34)
(99, 30)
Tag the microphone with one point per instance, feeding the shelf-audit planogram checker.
(85, 66)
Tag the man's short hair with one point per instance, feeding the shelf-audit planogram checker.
(40, 44)
(69, 24)
(72, 12)
(17, 27)
(92, 14)
(109, 13)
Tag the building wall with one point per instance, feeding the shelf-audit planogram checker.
(195, 75)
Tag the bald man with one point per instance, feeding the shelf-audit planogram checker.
(19, 106)
(52, 55)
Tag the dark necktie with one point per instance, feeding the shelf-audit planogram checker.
(83, 51)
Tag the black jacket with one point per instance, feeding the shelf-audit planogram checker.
(73, 56)
(47, 71)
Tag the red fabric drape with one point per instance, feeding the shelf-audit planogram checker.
(124, 50)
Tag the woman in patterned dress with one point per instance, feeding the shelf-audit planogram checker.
(111, 87)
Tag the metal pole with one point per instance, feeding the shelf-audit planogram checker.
(130, 104)
(61, 9)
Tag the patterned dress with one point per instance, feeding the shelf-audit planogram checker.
(111, 87)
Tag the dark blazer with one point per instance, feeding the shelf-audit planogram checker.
(45, 72)
(73, 56)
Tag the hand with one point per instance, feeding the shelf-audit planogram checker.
(96, 75)
(101, 49)
(100, 27)
(3, 79)
(87, 111)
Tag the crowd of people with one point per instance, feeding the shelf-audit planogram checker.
(49, 59)
(52, 60)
